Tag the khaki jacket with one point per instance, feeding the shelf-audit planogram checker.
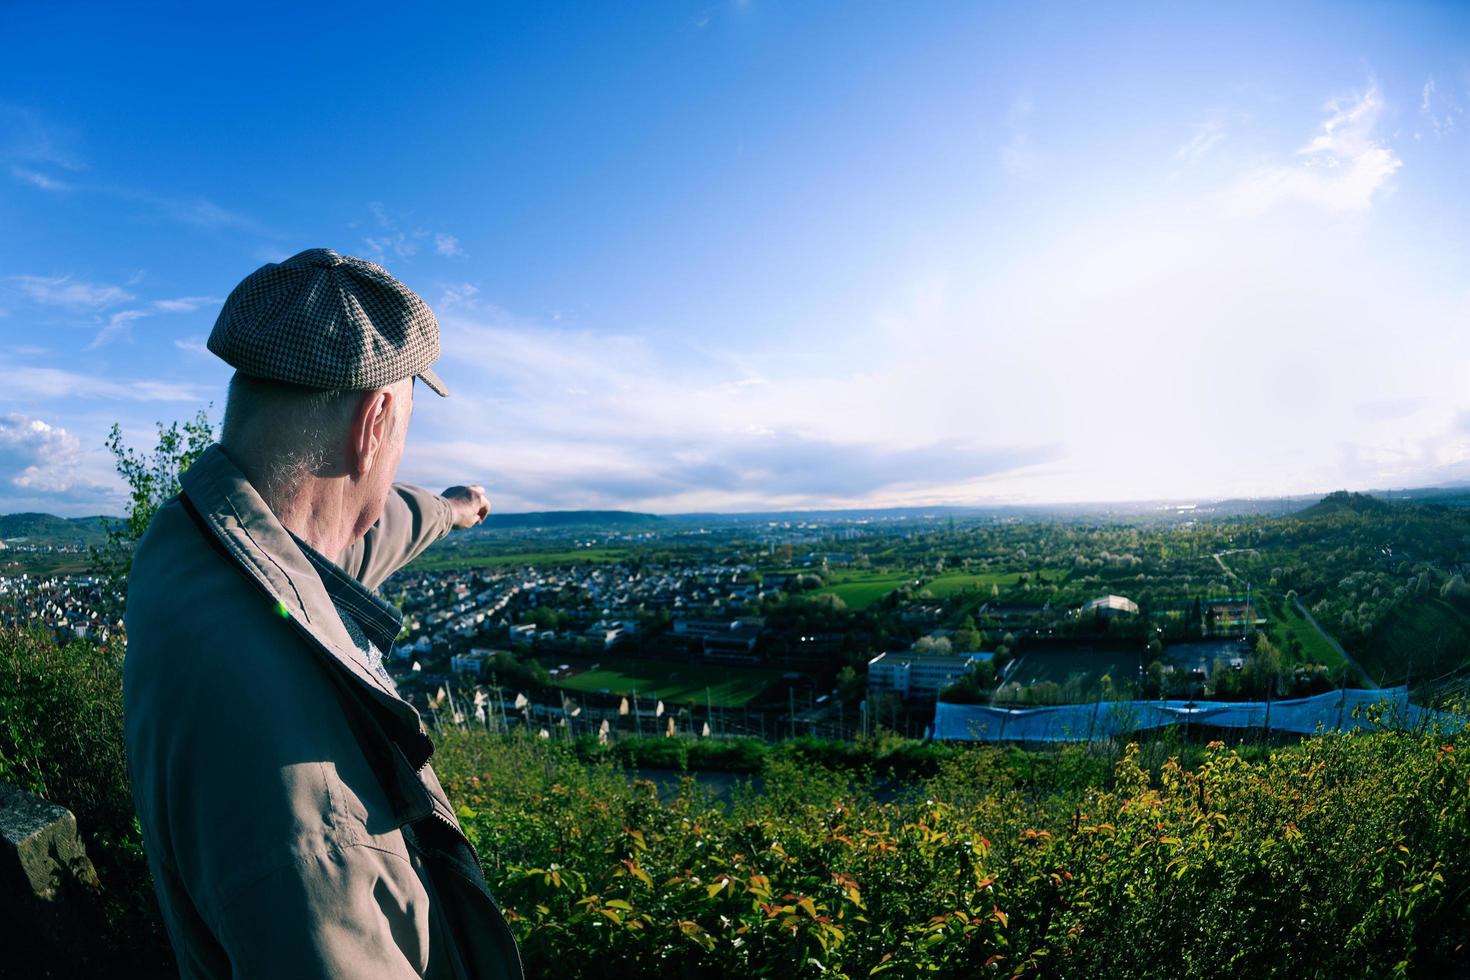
(292, 823)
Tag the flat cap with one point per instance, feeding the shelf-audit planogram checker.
(325, 320)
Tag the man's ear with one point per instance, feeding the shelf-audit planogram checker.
(371, 419)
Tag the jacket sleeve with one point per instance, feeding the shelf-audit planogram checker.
(413, 519)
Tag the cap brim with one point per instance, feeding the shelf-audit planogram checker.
(428, 377)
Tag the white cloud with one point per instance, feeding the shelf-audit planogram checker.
(36, 456)
(392, 240)
(1231, 358)
(46, 467)
(194, 345)
(37, 179)
(1017, 156)
(116, 324)
(1206, 136)
(25, 382)
(31, 139)
(460, 295)
(119, 323)
(577, 418)
(1438, 109)
(70, 294)
(185, 304)
(1341, 169)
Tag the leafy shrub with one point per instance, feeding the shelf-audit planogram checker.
(1344, 855)
(1339, 856)
(61, 738)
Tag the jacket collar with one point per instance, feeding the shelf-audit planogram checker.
(379, 621)
(229, 507)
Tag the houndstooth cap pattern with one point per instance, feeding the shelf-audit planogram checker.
(328, 321)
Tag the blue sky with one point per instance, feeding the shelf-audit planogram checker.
(730, 256)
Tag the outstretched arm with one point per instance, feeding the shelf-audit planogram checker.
(413, 518)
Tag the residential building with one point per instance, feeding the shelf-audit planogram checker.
(919, 675)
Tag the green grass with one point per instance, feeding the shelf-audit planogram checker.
(671, 681)
(1288, 623)
(861, 589)
(951, 583)
(470, 557)
(43, 563)
(1424, 638)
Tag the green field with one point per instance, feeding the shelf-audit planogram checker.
(861, 589)
(43, 563)
(1288, 622)
(671, 681)
(952, 582)
(1424, 638)
(472, 557)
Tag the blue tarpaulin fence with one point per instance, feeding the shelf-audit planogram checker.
(1335, 711)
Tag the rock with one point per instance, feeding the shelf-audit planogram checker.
(48, 886)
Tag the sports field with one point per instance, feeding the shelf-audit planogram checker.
(673, 682)
(1060, 665)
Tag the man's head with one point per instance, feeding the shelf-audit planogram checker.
(287, 436)
(326, 348)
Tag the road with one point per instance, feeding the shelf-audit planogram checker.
(1332, 641)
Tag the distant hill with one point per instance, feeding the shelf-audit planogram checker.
(53, 530)
(1343, 502)
(572, 518)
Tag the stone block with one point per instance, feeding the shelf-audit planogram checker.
(48, 887)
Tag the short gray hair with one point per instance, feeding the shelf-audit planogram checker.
(296, 431)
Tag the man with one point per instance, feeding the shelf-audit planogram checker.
(293, 825)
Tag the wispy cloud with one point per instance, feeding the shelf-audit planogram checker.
(37, 179)
(392, 240)
(116, 324)
(193, 210)
(30, 138)
(186, 304)
(82, 297)
(32, 145)
(26, 381)
(1017, 155)
(1206, 136)
(119, 323)
(1341, 168)
(71, 294)
(1438, 109)
(194, 345)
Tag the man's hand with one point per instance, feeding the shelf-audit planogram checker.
(470, 504)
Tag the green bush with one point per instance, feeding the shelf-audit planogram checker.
(61, 738)
(1342, 856)
(1339, 856)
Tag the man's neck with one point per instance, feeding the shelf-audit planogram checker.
(317, 510)
(315, 513)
